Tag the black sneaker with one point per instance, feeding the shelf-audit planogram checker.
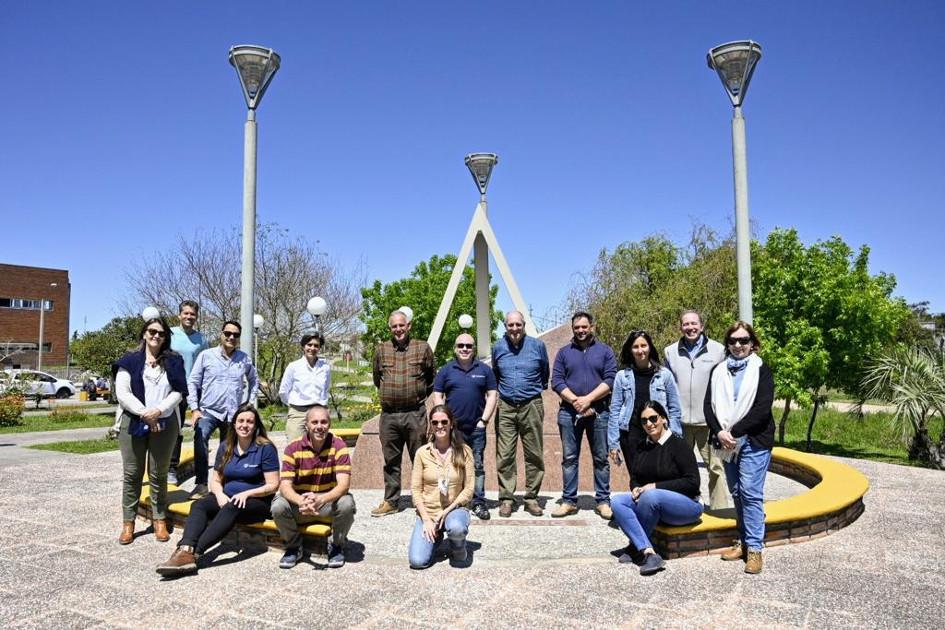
(653, 563)
(290, 558)
(481, 512)
(336, 556)
(631, 555)
(458, 555)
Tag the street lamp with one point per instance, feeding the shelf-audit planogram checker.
(255, 66)
(258, 322)
(480, 165)
(735, 63)
(465, 321)
(316, 307)
(42, 323)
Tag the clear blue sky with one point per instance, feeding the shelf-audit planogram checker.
(122, 127)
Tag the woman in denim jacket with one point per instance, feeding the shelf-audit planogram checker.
(642, 379)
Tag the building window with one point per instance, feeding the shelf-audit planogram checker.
(25, 304)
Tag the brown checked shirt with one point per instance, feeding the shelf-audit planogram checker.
(403, 374)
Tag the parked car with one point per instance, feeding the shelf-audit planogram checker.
(33, 383)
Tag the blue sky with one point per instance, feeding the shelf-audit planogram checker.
(122, 127)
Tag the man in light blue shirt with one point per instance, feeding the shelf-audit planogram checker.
(216, 389)
(188, 342)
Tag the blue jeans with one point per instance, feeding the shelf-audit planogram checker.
(476, 438)
(421, 550)
(572, 428)
(202, 432)
(638, 518)
(746, 482)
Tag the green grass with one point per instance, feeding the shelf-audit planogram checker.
(59, 420)
(80, 447)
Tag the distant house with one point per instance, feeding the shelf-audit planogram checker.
(24, 291)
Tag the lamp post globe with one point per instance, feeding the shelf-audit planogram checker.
(316, 307)
(150, 312)
(408, 313)
(465, 321)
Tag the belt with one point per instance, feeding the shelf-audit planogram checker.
(520, 403)
(389, 409)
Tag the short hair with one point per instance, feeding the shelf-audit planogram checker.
(582, 315)
(318, 406)
(317, 336)
(692, 311)
(626, 352)
(755, 344)
(231, 322)
(189, 303)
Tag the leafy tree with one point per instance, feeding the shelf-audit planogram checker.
(96, 350)
(821, 315)
(422, 291)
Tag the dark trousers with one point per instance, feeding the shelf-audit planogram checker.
(476, 438)
(208, 523)
(175, 454)
(404, 428)
(628, 446)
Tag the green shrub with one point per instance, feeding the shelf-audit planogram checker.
(11, 410)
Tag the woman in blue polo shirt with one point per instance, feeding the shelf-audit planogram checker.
(245, 477)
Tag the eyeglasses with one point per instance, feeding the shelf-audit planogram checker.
(231, 335)
(155, 332)
(464, 346)
(440, 423)
(638, 333)
(739, 341)
(654, 419)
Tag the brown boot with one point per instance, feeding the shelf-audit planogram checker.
(181, 562)
(735, 552)
(160, 530)
(754, 563)
(127, 533)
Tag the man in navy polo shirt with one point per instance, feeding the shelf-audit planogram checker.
(469, 389)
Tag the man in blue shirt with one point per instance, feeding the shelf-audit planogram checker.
(188, 342)
(469, 389)
(583, 377)
(215, 390)
(520, 363)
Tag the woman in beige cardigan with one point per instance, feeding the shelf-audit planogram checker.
(443, 482)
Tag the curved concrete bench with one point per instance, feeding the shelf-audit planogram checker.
(315, 535)
(834, 500)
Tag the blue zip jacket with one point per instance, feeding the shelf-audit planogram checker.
(662, 390)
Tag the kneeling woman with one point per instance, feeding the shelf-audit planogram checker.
(245, 477)
(664, 487)
(443, 483)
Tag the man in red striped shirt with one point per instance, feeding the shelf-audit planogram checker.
(314, 484)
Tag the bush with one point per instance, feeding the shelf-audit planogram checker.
(61, 416)
(11, 410)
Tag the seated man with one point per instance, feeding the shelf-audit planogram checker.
(315, 478)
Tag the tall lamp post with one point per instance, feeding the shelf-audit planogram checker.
(316, 307)
(481, 165)
(42, 324)
(735, 63)
(255, 66)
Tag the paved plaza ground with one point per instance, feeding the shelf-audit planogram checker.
(60, 566)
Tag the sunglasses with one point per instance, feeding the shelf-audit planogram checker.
(439, 423)
(637, 333)
(739, 341)
(155, 332)
(229, 335)
(464, 346)
(654, 419)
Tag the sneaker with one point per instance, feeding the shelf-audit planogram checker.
(532, 507)
(631, 555)
(181, 562)
(735, 552)
(384, 509)
(481, 512)
(564, 509)
(505, 510)
(653, 563)
(172, 476)
(754, 563)
(603, 510)
(200, 491)
(336, 556)
(458, 554)
(290, 558)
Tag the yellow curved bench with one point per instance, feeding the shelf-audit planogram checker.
(834, 500)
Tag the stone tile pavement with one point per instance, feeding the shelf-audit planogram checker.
(60, 566)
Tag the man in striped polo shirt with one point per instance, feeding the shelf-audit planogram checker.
(314, 482)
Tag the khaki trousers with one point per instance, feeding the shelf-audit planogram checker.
(698, 437)
(514, 422)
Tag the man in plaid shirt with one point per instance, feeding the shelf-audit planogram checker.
(403, 375)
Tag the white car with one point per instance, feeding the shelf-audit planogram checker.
(34, 382)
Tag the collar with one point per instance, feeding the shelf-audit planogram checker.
(253, 447)
(575, 344)
(329, 438)
(400, 347)
(684, 347)
(663, 438)
(512, 344)
(472, 365)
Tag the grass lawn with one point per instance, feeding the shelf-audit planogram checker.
(80, 447)
(58, 420)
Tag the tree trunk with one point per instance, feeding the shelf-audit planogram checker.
(922, 449)
(810, 425)
(782, 424)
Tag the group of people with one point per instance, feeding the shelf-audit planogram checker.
(646, 414)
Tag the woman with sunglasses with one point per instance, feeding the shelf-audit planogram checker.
(642, 379)
(245, 478)
(443, 482)
(149, 385)
(305, 382)
(664, 487)
(738, 413)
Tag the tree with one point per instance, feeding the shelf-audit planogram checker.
(289, 271)
(422, 291)
(820, 314)
(913, 381)
(96, 350)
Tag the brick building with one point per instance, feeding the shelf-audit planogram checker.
(22, 291)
